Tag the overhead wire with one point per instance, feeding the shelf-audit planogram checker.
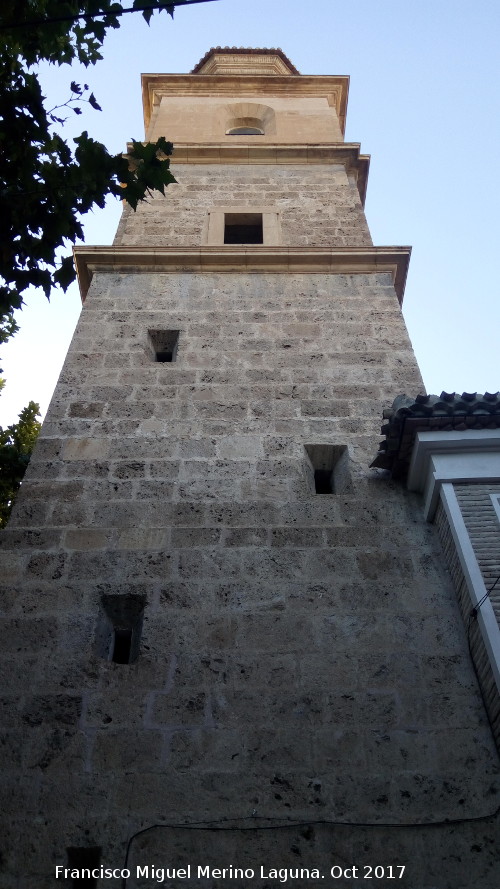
(225, 824)
(88, 16)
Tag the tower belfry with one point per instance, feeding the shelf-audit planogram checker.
(228, 642)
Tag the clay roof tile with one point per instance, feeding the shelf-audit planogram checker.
(446, 412)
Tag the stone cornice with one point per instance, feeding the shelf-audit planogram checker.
(345, 153)
(334, 88)
(243, 260)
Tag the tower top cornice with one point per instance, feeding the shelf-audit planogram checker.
(248, 73)
(244, 60)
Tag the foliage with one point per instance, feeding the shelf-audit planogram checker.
(16, 445)
(8, 327)
(47, 185)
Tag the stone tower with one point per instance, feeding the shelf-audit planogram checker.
(229, 643)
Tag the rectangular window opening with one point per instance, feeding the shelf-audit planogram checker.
(327, 467)
(85, 859)
(163, 344)
(243, 228)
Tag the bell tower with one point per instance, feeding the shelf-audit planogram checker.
(229, 643)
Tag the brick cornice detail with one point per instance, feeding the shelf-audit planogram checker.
(243, 260)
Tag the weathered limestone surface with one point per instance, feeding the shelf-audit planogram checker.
(205, 119)
(317, 205)
(302, 664)
(302, 655)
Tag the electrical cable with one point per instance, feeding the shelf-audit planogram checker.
(169, 5)
(473, 612)
(473, 616)
(486, 595)
(215, 825)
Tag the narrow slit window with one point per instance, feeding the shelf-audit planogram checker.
(122, 645)
(323, 481)
(163, 344)
(84, 859)
(243, 228)
(327, 468)
(119, 628)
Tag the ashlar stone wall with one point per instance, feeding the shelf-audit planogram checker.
(301, 655)
(318, 205)
(205, 119)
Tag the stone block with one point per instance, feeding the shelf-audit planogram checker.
(129, 565)
(47, 566)
(205, 749)
(145, 539)
(32, 538)
(86, 449)
(119, 750)
(86, 409)
(52, 709)
(86, 539)
(296, 537)
(245, 537)
(84, 469)
(240, 447)
(195, 537)
(164, 469)
(179, 709)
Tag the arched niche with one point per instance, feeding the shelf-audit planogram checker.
(250, 119)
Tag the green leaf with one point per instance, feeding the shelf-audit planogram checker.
(16, 446)
(47, 185)
(94, 103)
(66, 273)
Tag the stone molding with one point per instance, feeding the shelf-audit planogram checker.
(441, 460)
(334, 88)
(244, 260)
(495, 502)
(440, 457)
(478, 603)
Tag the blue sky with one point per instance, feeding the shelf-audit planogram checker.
(423, 103)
